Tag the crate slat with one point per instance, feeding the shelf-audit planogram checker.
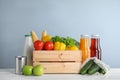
(56, 55)
(64, 67)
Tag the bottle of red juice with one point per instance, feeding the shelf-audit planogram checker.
(95, 48)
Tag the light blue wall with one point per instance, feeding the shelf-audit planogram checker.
(59, 17)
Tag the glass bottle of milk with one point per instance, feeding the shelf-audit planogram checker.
(28, 48)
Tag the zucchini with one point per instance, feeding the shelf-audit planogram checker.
(102, 71)
(93, 69)
(86, 67)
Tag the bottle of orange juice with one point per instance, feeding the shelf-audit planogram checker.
(84, 47)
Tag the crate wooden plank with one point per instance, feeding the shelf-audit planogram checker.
(63, 67)
(57, 55)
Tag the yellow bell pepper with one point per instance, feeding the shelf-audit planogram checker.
(59, 46)
(72, 48)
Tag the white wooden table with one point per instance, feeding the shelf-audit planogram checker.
(9, 74)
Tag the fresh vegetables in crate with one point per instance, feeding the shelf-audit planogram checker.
(56, 42)
(55, 52)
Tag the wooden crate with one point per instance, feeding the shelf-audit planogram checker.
(58, 61)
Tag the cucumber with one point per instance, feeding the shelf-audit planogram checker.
(102, 71)
(86, 67)
(93, 69)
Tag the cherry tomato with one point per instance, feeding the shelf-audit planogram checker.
(48, 45)
(38, 45)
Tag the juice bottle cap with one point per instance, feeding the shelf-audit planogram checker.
(84, 36)
(95, 36)
(27, 35)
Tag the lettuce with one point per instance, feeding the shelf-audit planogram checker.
(68, 40)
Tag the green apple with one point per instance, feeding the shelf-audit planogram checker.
(38, 70)
(27, 70)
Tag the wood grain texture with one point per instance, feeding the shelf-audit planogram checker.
(64, 67)
(57, 55)
(58, 61)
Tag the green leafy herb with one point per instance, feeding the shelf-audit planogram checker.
(68, 41)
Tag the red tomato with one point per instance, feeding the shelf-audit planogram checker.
(38, 45)
(49, 45)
